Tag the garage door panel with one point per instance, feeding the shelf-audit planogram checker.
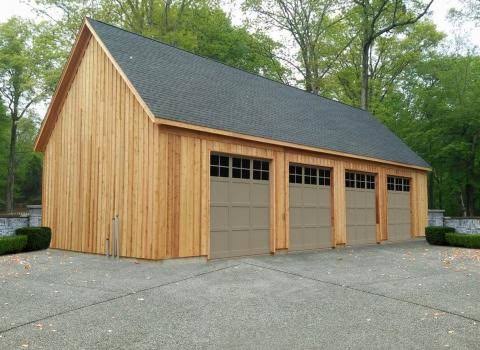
(239, 208)
(324, 217)
(219, 218)
(310, 197)
(260, 218)
(219, 192)
(296, 217)
(399, 214)
(239, 240)
(324, 198)
(239, 218)
(259, 240)
(296, 238)
(239, 193)
(310, 209)
(310, 217)
(361, 208)
(219, 242)
(261, 194)
(295, 195)
(325, 236)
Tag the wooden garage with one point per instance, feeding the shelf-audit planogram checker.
(196, 158)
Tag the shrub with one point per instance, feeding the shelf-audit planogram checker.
(463, 240)
(38, 237)
(436, 234)
(12, 244)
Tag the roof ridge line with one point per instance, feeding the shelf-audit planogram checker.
(229, 66)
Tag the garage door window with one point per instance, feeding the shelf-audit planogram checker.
(398, 184)
(350, 180)
(241, 168)
(295, 173)
(310, 176)
(219, 165)
(261, 170)
(360, 180)
(324, 177)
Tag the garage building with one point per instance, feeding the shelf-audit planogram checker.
(196, 158)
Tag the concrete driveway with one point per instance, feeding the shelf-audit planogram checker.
(407, 295)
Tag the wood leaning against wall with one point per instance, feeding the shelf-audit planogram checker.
(105, 156)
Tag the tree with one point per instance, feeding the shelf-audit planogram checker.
(377, 18)
(23, 82)
(440, 119)
(308, 23)
(392, 56)
(199, 26)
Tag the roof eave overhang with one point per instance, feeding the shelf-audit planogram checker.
(183, 125)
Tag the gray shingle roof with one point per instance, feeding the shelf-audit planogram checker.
(181, 86)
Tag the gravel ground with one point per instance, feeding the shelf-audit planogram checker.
(392, 296)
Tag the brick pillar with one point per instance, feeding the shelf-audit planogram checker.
(35, 215)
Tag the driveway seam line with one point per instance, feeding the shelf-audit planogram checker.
(346, 286)
(117, 297)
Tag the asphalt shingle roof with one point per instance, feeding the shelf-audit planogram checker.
(181, 86)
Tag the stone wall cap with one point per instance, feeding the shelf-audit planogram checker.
(34, 206)
(436, 210)
(463, 217)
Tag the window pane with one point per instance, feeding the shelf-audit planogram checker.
(257, 164)
(224, 172)
(213, 171)
(246, 163)
(291, 169)
(327, 182)
(245, 174)
(291, 179)
(256, 174)
(213, 159)
(265, 166)
(307, 180)
(327, 173)
(224, 161)
(236, 173)
(236, 162)
(398, 184)
(265, 175)
(298, 179)
(313, 180)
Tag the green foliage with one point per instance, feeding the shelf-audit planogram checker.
(436, 234)
(28, 72)
(463, 240)
(199, 26)
(38, 237)
(12, 244)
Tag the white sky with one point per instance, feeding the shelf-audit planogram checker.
(439, 12)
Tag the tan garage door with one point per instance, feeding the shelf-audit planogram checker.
(310, 215)
(239, 206)
(361, 208)
(399, 214)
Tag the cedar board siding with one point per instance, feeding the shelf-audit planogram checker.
(105, 156)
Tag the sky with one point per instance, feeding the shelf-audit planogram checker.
(438, 14)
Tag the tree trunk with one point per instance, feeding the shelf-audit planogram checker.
(470, 199)
(431, 194)
(364, 78)
(11, 166)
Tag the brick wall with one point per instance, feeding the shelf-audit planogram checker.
(8, 224)
(462, 225)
